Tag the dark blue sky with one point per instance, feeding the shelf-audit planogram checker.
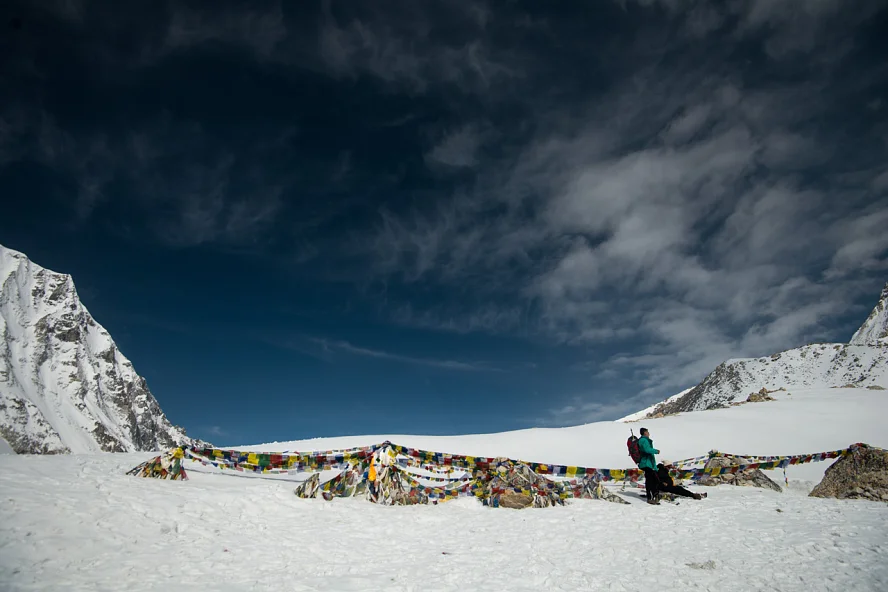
(310, 219)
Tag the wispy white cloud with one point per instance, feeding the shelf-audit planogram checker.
(699, 211)
(348, 348)
(787, 28)
(259, 28)
(410, 52)
(457, 148)
(205, 209)
(70, 10)
(191, 202)
(866, 243)
(158, 30)
(591, 407)
(669, 211)
(482, 318)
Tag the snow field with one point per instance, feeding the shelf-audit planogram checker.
(805, 421)
(79, 523)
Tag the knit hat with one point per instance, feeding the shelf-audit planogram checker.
(665, 462)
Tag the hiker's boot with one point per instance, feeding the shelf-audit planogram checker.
(654, 501)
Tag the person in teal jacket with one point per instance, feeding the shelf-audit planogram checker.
(648, 464)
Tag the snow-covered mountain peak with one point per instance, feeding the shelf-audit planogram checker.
(861, 363)
(875, 329)
(644, 413)
(64, 385)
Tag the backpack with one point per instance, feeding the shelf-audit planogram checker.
(634, 450)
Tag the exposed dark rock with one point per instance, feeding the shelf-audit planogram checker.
(762, 395)
(108, 442)
(515, 501)
(861, 474)
(747, 477)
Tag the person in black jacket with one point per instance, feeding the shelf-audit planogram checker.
(668, 486)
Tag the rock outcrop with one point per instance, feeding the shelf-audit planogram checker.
(862, 474)
(747, 478)
(763, 395)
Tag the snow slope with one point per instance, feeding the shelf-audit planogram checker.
(863, 362)
(76, 522)
(811, 366)
(650, 410)
(64, 385)
(5, 448)
(875, 329)
(807, 420)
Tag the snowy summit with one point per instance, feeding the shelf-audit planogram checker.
(874, 330)
(64, 385)
(861, 363)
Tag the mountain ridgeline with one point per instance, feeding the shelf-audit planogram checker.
(65, 387)
(874, 330)
(861, 363)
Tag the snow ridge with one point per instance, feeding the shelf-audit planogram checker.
(861, 363)
(874, 330)
(64, 385)
(653, 408)
(812, 366)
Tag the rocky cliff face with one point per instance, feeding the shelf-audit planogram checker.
(874, 330)
(861, 363)
(64, 385)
